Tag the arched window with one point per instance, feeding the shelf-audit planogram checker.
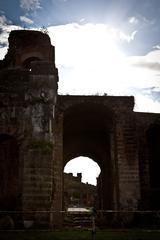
(27, 63)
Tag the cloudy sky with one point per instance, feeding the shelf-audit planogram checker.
(102, 46)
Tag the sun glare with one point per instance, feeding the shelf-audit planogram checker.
(91, 56)
(89, 62)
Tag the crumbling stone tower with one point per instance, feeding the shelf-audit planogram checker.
(28, 89)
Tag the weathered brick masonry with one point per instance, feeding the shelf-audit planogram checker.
(28, 92)
(40, 131)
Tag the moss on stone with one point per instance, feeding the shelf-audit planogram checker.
(42, 145)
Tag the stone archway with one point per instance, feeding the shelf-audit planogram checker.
(86, 129)
(103, 129)
(27, 62)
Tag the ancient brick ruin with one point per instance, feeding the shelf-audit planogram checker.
(40, 131)
(76, 193)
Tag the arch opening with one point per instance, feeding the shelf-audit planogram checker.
(88, 131)
(27, 62)
(80, 178)
(89, 168)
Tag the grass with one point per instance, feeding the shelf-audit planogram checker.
(81, 235)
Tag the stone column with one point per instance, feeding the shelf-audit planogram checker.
(56, 217)
(114, 168)
(38, 159)
(127, 163)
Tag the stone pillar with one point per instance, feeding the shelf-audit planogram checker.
(38, 184)
(144, 170)
(114, 170)
(56, 217)
(38, 159)
(127, 163)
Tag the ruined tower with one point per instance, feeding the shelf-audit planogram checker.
(28, 90)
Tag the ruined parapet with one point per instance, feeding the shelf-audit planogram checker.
(28, 76)
(26, 46)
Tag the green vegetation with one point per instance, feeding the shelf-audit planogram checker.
(44, 30)
(82, 235)
(42, 145)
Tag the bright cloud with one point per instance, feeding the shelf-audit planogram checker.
(156, 47)
(81, 43)
(26, 20)
(6, 27)
(150, 61)
(81, 165)
(147, 104)
(128, 38)
(140, 21)
(4, 21)
(133, 20)
(90, 62)
(3, 51)
(30, 5)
